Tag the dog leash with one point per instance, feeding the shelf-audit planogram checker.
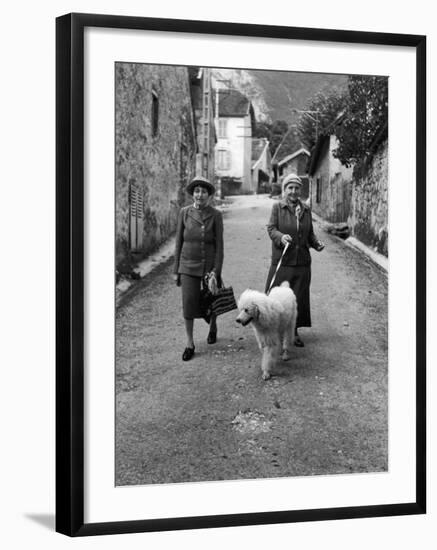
(278, 266)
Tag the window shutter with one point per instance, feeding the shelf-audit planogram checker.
(139, 219)
(228, 160)
(136, 217)
(133, 216)
(222, 127)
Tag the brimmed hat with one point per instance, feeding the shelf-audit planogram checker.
(291, 178)
(202, 182)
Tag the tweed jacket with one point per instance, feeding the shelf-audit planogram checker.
(199, 241)
(283, 221)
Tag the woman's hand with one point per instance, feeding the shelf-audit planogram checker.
(177, 279)
(286, 239)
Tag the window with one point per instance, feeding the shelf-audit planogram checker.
(155, 113)
(318, 189)
(223, 159)
(223, 123)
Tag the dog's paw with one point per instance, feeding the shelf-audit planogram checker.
(285, 355)
(266, 376)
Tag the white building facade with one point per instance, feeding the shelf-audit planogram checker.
(233, 154)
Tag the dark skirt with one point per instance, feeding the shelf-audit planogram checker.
(299, 277)
(191, 296)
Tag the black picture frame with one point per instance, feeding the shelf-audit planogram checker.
(70, 237)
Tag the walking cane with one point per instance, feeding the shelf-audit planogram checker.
(278, 266)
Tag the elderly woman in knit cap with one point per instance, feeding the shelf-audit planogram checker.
(199, 251)
(291, 223)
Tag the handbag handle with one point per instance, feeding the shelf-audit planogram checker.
(222, 285)
(278, 266)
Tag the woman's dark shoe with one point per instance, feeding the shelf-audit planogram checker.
(188, 354)
(212, 337)
(298, 342)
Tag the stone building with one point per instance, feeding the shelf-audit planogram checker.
(156, 149)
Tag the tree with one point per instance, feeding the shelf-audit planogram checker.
(262, 130)
(357, 117)
(366, 119)
(283, 139)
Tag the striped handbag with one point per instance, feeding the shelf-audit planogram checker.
(222, 300)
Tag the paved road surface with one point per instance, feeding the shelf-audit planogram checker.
(214, 418)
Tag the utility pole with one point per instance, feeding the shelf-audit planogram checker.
(223, 86)
(314, 118)
(282, 141)
(206, 130)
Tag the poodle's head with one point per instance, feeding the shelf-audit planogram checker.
(248, 308)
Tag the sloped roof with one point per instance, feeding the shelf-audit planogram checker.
(318, 151)
(233, 103)
(320, 146)
(301, 151)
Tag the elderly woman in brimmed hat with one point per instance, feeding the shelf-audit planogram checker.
(291, 223)
(199, 251)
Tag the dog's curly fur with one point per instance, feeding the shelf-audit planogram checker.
(273, 318)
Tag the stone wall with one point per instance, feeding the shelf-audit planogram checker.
(369, 217)
(158, 159)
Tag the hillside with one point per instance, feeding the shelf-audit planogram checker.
(274, 93)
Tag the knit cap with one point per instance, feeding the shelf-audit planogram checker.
(290, 178)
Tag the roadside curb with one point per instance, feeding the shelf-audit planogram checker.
(144, 267)
(352, 242)
(375, 257)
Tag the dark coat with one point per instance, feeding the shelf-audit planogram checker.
(283, 221)
(199, 241)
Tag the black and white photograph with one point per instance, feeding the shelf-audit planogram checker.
(251, 274)
(217, 265)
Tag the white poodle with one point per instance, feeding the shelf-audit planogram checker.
(273, 319)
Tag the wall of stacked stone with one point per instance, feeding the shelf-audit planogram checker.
(369, 219)
(160, 164)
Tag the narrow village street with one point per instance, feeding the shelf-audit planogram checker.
(214, 418)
